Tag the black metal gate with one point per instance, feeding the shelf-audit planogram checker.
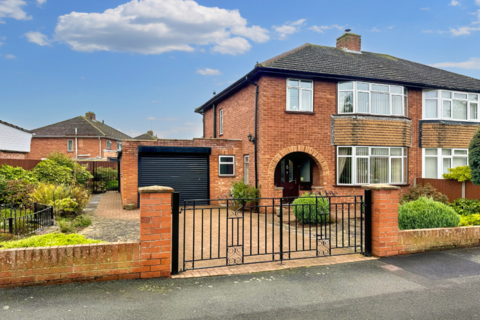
(106, 175)
(235, 231)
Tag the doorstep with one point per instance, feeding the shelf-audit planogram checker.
(272, 266)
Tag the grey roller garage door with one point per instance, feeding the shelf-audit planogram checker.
(185, 173)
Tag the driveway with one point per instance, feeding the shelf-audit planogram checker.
(395, 288)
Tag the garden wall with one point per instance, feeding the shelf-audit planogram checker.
(414, 241)
(63, 264)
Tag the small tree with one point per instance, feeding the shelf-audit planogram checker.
(474, 158)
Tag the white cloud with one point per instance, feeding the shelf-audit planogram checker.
(208, 72)
(375, 30)
(463, 30)
(288, 28)
(158, 26)
(427, 31)
(40, 2)
(391, 27)
(10, 56)
(322, 28)
(477, 2)
(454, 3)
(13, 9)
(156, 101)
(472, 64)
(427, 8)
(38, 38)
(151, 118)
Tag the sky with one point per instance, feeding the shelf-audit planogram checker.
(147, 64)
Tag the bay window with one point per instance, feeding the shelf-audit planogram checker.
(440, 104)
(299, 95)
(437, 161)
(369, 165)
(371, 98)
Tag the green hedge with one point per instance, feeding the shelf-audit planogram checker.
(465, 207)
(306, 211)
(426, 213)
(48, 240)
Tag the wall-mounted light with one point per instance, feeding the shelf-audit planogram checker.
(251, 138)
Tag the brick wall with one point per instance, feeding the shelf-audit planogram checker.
(440, 135)
(42, 147)
(13, 155)
(218, 185)
(63, 264)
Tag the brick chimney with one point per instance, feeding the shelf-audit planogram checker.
(90, 115)
(150, 132)
(350, 41)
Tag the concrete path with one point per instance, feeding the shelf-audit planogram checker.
(426, 286)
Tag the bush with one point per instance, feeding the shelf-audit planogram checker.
(66, 225)
(52, 239)
(112, 185)
(18, 192)
(81, 196)
(18, 173)
(82, 221)
(63, 198)
(305, 210)
(426, 213)
(415, 193)
(471, 220)
(79, 173)
(240, 190)
(461, 174)
(49, 171)
(474, 157)
(465, 207)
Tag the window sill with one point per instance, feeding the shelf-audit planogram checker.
(226, 176)
(361, 185)
(300, 112)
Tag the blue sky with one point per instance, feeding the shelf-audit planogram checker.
(146, 64)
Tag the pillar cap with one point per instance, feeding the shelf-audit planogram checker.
(155, 189)
(380, 187)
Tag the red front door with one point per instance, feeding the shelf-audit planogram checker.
(288, 177)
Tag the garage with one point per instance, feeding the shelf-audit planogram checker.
(185, 169)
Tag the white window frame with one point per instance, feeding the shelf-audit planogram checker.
(119, 145)
(440, 100)
(300, 90)
(354, 157)
(221, 121)
(246, 169)
(109, 145)
(68, 146)
(440, 156)
(404, 96)
(220, 163)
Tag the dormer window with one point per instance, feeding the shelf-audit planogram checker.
(299, 95)
(372, 98)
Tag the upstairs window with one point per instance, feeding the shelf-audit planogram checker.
(109, 144)
(299, 95)
(371, 98)
(450, 105)
(119, 145)
(221, 121)
(70, 145)
(226, 166)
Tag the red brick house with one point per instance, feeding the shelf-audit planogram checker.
(337, 118)
(82, 137)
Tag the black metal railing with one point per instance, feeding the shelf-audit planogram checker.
(25, 219)
(242, 231)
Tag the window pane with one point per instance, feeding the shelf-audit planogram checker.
(363, 86)
(379, 151)
(363, 101)
(396, 151)
(293, 99)
(290, 171)
(380, 103)
(446, 95)
(397, 105)
(465, 152)
(405, 168)
(307, 84)
(430, 94)
(396, 170)
(394, 89)
(306, 100)
(346, 101)
(447, 152)
(459, 162)
(447, 163)
(379, 170)
(473, 111)
(226, 169)
(447, 109)
(362, 151)
(226, 159)
(473, 97)
(431, 152)
(430, 108)
(293, 83)
(345, 170)
(460, 96)
(345, 151)
(345, 85)
(362, 170)
(459, 109)
(376, 87)
(431, 168)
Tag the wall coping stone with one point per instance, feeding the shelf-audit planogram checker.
(380, 187)
(155, 189)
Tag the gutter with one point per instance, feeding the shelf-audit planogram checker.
(255, 139)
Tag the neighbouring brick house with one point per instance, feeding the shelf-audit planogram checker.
(82, 137)
(337, 118)
(14, 141)
(147, 136)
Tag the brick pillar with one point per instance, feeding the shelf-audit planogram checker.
(384, 220)
(155, 231)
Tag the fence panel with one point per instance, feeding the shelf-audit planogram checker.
(25, 164)
(451, 188)
(472, 191)
(24, 219)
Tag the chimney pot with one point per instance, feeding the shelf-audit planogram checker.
(350, 41)
(150, 132)
(90, 115)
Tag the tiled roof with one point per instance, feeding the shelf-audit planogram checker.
(13, 126)
(84, 128)
(145, 136)
(375, 66)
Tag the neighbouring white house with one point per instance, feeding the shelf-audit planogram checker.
(14, 141)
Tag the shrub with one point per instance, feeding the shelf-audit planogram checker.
(80, 195)
(465, 207)
(18, 192)
(47, 240)
(3, 184)
(49, 171)
(112, 185)
(79, 173)
(18, 173)
(463, 173)
(240, 190)
(63, 198)
(474, 157)
(66, 225)
(471, 220)
(414, 193)
(82, 221)
(426, 213)
(305, 210)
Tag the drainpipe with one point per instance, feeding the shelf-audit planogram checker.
(76, 145)
(203, 123)
(255, 139)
